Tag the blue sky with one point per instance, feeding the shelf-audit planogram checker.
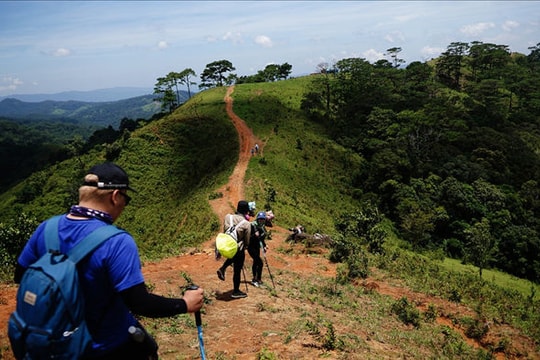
(49, 47)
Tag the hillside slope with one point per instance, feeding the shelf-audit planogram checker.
(307, 315)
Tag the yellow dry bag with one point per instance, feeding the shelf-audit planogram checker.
(226, 245)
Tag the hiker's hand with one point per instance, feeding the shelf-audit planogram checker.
(194, 299)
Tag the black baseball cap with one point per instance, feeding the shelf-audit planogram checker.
(242, 207)
(110, 176)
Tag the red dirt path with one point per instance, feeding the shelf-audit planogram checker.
(243, 328)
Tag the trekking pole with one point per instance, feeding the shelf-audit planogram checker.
(198, 322)
(245, 279)
(268, 267)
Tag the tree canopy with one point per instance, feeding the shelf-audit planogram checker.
(214, 75)
(451, 148)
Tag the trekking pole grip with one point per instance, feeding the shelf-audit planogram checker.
(198, 320)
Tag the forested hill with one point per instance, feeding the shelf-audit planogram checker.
(441, 157)
(450, 149)
(35, 134)
(98, 95)
(100, 114)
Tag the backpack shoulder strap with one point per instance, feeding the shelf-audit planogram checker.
(92, 241)
(52, 242)
(232, 225)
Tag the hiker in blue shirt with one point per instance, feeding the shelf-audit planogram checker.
(111, 276)
(258, 234)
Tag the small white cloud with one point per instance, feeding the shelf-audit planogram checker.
(61, 52)
(264, 41)
(406, 17)
(372, 55)
(476, 29)
(10, 83)
(234, 37)
(429, 52)
(394, 36)
(162, 45)
(509, 25)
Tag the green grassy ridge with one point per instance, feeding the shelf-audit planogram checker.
(308, 171)
(177, 162)
(173, 163)
(495, 277)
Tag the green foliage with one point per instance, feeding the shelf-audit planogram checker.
(431, 314)
(495, 299)
(32, 144)
(167, 88)
(271, 72)
(288, 181)
(266, 354)
(444, 148)
(13, 237)
(406, 312)
(475, 328)
(178, 160)
(27, 148)
(214, 74)
(80, 114)
(481, 244)
(357, 229)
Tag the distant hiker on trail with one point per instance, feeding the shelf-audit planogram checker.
(244, 233)
(256, 148)
(252, 207)
(258, 234)
(110, 277)
(252, 151)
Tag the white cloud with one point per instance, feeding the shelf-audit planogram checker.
(10, 83)
(394, 36)
(373, 55)
(509, 25)
(263, 40)
(61, 52)
(429, 52)
(109, 37)
(162, 45)
(236, 38)
(406, 17)
(476, 29)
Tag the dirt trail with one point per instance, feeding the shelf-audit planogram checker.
(243, 328)
(233, 191)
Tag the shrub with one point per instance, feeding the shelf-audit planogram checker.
(13, 237)
(406, 312)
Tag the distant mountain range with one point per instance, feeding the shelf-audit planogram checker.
(80, 112)
(100, 95)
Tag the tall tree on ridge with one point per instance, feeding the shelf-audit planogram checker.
(214, 74)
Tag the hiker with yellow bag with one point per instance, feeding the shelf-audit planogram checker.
(237, 228)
